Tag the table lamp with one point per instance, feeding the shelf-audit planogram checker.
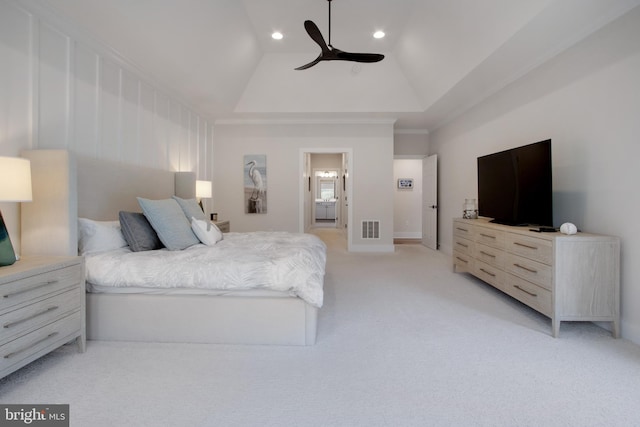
(15, 186)
(203, 191)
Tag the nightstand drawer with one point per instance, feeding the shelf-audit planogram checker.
(22, 320)
(38, 286)
(28, 347)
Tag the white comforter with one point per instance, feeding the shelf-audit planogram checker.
(281, 261)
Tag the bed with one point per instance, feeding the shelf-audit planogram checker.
(177, 313)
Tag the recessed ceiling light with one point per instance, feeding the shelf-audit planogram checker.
(378, 34)
(277, 35)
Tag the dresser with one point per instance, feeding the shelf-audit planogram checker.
(565, 277)
(42, 306)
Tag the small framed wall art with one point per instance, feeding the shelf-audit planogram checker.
(405, 183)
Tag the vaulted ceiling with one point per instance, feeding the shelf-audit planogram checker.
(442, 56)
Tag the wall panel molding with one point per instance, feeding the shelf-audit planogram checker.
(83, 96)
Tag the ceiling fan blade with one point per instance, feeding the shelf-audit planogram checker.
(358, 57)
(310, 64)
(329, 53)
(316, 35)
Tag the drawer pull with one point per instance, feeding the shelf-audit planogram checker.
(526, 246)
(33, 344)
(33, 316)
(462, 244)
(37, 286)
(487, 236)
(462, 229)
(487, 254)
(487, 272)
(526, 291)
(530, 270)
(463, 260)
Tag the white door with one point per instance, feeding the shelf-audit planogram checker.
(430, 201)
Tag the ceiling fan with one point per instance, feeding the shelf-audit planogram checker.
(330, 53)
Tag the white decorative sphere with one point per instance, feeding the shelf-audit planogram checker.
(568, 228)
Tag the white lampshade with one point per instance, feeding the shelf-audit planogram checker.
(15, 180)
(203, 189)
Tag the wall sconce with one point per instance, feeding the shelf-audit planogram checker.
(203, 191)
(15, 186)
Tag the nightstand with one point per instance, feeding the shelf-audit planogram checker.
(42, 306)
(224, 226)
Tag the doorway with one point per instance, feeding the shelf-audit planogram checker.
(326, 198)
(326, 190)
(415, 200)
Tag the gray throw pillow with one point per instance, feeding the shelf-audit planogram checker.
(168, 220)
(191, 208)
(138, 233)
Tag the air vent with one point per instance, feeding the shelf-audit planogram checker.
(370, 229)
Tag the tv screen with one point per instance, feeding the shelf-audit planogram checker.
(515, 187)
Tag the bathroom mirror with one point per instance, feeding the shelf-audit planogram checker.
(327, 188)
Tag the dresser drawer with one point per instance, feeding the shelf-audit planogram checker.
(38, 286)
(30, 346)
(463, 245)
(533, 271)
(489, 236)
(540, 250)
(491, 256)
(462, 229)
(462, 262)
(489, 274)
(529, 293)
(22, 320)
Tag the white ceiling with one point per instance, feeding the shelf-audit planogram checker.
(442, 56)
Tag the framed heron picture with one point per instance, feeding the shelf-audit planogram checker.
(255, 183)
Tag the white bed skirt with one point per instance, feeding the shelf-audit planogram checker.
(201, 319)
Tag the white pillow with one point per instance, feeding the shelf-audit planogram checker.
(207, 232)
(99, 236)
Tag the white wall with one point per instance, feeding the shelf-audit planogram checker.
(411, 143)
(407, 203)
(60, 89)
(371, 143)
(587, 101)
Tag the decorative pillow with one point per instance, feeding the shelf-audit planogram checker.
(138, 233)
(207, 232)
(191, 208)
(168, 220)
(99, 236)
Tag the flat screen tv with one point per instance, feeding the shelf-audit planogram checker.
(515, 187)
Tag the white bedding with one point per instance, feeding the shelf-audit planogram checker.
(280, 261)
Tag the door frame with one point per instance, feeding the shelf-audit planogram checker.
(304, 176)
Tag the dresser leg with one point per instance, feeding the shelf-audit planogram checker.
(616, 329)
(555, 327)
(81, 341)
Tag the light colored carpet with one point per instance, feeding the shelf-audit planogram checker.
(402, 341)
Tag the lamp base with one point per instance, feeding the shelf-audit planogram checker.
(7, 254)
